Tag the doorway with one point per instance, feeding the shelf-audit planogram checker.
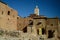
(50, 34)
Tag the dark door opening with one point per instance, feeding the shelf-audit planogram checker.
(38, 31)
(50, 34)
(25, 30)
(43, 31)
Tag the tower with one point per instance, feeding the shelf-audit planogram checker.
(36, 11)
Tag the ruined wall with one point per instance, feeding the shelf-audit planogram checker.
(52, 23)
(51, 29)
(22, 22)
(8, 18)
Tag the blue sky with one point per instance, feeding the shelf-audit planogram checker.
(49, 8)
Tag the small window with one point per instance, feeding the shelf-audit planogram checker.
(38, 23)
(8, 12)
(51, 24)
(17, 17)
(2, 12)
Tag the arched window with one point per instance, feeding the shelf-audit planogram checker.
(8, 12)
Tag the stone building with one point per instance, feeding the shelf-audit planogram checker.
(39, 25)
(33, 27)
(58, 29)
(8, 17)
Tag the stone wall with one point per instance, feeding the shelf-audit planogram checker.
(8, 18)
